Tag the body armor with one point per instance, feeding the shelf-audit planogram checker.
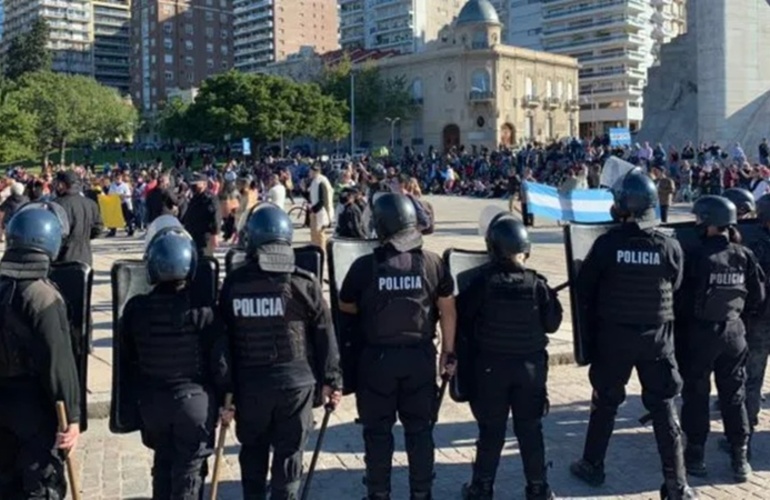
(637, 286)
(510, 317)
(721, 290)
(15, 336)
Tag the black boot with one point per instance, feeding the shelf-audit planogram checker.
(677, 493)
(740, 463)
(539, 491)
(478, 490)
(591, 474)
(694, 460)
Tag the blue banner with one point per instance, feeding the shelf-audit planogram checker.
(246, 147)
(620, 137)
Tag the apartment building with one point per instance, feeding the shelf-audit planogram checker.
(268, 31)
(175, 45)
(112, 43)
(616, 41)
(71, 30)
(402, 25)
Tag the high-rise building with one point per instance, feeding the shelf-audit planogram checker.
(112, 44)
(175, 45)
(267, 31)
(2, 16)
(71, 30)
(616, 41)
(402, 25)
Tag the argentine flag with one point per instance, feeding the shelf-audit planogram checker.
(579, 205)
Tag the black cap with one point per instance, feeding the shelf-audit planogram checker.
(316, 167)
(68, 177)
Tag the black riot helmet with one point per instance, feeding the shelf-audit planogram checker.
(171, 256)
(267, 224)
(635, 195)
(506, 237)
(763, 208)
(715, 211)
(742, 199)
(392, 214)
(35, 230)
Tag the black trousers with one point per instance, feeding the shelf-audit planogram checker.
(30, 466)
(281, 418)
(719, 348)
(756, 365)
(180, 429)
(664, 213)
(620, 349)
(401, 382)
(503, 385)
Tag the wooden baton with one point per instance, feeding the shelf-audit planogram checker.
(72, 473)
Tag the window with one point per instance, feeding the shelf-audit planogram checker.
(224, 64)
(152, 42)
(223, 50)
(209, 2)
(210, 48)
(528, 90)
(417, 89)
(223, 18)
(168, 59)
(549, 127)
(154, 92)
(169, 76)
(560, 89)
(548, 88)
(210, 63)
(188, 45)
(209, 32)
(190, 77)
(570, 91)
(223, 4)
(168, 28)
(480, 40)
(188, 61)
(480, 81)
(188, 29)
(168, 43)
(209, 16)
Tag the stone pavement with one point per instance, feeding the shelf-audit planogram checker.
(118, 467)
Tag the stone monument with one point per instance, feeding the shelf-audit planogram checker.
(713, 83)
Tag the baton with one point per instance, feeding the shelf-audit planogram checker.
(220, 448)
(561, 287)
(441, 392)
(72, 474)
(328, 409)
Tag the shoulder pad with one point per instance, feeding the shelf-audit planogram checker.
(302, 273)
(539, 276)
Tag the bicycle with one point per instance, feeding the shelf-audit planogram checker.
(299, 215)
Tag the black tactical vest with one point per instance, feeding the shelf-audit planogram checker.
(721, 290)
(269, 322)
(169, 344)
(636, 288)
(761, 249)
(510, 317)
(15, 336)
(400, 302)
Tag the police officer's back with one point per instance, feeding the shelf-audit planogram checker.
(626, 285)
(395, 297)
(504, 316)
(37, 365)
(177, 356)
(85, 219)
(722, 281)
(281, 335)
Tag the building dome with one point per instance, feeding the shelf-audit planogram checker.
(478, 12)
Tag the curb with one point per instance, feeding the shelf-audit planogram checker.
(99, 402)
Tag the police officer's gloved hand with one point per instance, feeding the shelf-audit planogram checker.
(226, 415)
(332, 396)
(448, 364)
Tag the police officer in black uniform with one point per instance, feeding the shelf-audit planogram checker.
(722, 280)
(201, 218)
(85, 220)
(37, 365)
(743, 201)
(506, 313)
(177, 361)
(396, 296)
(283, 345)
(626, 284)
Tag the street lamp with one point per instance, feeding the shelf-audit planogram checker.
(352, 112)
(280, 126)
(392, 122)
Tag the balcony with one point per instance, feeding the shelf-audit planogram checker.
(531, 101)
(481, 96)
(551, 102)
(573, 105)
(583, 27)
(607, 6)
(624, 55)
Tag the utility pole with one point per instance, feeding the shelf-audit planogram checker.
(352, 112)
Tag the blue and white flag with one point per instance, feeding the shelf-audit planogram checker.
(579, 205)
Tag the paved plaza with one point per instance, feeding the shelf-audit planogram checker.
(118, 467)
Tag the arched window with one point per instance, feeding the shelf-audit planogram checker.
(480, 40)
(548, 88)
(480, 81)
(528, 88)
(560, 89)
(417, 89)
(570, 91)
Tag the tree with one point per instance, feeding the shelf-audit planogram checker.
(172, 121)
(28, 52)
(17, 133)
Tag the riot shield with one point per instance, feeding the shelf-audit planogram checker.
(129, 278)
(308, 258)
(341, 253)
(465, 266)
(75, 281)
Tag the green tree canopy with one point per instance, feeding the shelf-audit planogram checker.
(257, 106)
(28, 52)
(69, 109)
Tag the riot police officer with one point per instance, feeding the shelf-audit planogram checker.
(177, 358)
(37, 365)
(722, 280)
(743, 201)
(281, 335)
(626, 285)
(507, 313)
(396, 296)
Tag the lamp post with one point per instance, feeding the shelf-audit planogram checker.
(352, 112)
(392, 122)
(280, 126)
